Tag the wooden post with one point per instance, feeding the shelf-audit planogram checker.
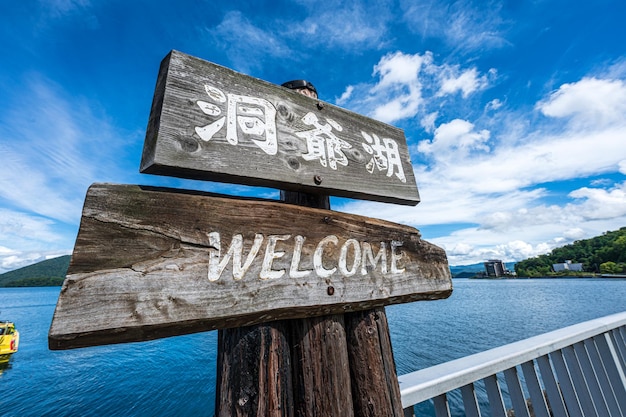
(341, 365)
(319, 348)
(365, 335)
(372, 367)
(317, 371)
(254, 371)
(321, 367)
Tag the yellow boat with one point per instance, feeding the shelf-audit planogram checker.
(9, 340)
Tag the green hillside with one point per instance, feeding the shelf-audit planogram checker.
(605, 254)
(42, 274)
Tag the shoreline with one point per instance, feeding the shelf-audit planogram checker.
(593, 276)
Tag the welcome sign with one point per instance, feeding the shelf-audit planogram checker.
(213, 262)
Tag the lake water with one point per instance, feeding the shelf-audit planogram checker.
(176, 376)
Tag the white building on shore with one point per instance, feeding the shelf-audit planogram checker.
(567, 266)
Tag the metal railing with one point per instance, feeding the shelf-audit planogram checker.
(577, 371)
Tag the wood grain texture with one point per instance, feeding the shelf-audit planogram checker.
(321, 367)
(254, 375)
(140, 266)
(209, 122)
(374, 380)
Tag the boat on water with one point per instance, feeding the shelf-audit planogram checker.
(9, 340)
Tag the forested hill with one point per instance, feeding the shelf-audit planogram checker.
(604, 254)
(50, 272)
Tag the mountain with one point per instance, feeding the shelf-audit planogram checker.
(46, 273)
(467, 271)
(461, 269)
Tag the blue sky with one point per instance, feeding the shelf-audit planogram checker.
(514, 111)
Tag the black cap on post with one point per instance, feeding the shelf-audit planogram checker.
(299, 84)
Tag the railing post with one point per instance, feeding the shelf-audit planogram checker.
(613, 367)
(580, 384)
(537, 397)
(553, 390)
(442, 408)
(469, 400)
(494, 395)
(515, 390)
(601, 374)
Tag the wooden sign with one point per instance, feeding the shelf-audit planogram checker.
(151, 263)
(209, 122)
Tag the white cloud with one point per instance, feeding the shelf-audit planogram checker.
(249, 42)
(428, 121)
(590, 101)
(21, 259)
(399, 69)
(345, 96)
(35, 237)
(342, 24)
(495, 181)
(253, 44)
(455, 139)
(53, 149)
(59, 8)
(601, 203)
(467, 82)
(459, 24)
(399, 87)
(411, 85)
(17, 225)
(494, 104)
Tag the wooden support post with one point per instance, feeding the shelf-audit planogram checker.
(375, 386)
(321, 367)
(319, 349)
(254, 371)
(341, 365)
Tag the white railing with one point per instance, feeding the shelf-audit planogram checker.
(577, 371)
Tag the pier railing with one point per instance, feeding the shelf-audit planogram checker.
(577, 371)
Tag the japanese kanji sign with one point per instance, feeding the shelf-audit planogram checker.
(209, 122)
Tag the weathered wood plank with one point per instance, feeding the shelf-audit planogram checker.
(209, 122)
(150, 263)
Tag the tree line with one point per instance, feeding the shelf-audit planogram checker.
(605, 254)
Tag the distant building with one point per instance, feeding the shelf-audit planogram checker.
(495, 268)
(567, 266)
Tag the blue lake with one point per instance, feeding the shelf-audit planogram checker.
(176, 376)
